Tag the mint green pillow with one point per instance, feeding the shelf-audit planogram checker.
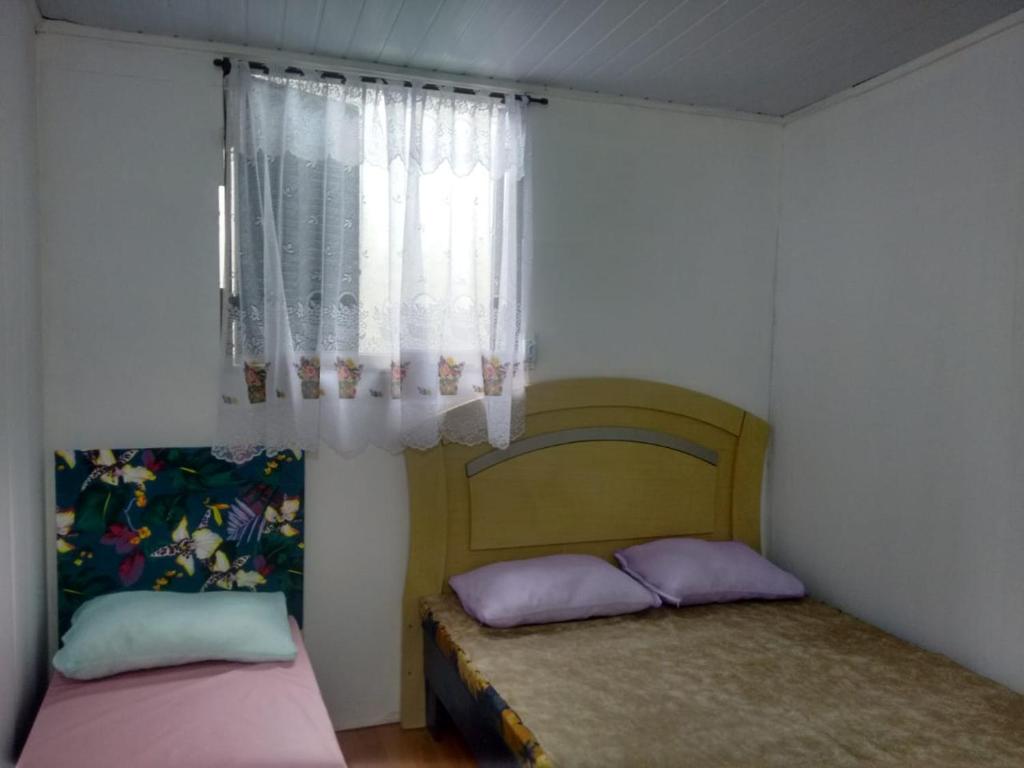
(123, 631)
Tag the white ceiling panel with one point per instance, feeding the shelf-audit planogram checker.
(337, 25)
(524, 18)
(376, 20)
(300, 24)
(767, 56)
(442, 34)
(227, 18)
(545, 37)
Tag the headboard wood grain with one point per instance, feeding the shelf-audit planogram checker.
(604, 463)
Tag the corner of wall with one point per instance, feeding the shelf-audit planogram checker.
(766, 501)
(22, 571)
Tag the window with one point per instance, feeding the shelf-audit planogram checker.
(373, 261)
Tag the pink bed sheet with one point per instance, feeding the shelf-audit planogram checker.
(211, 714)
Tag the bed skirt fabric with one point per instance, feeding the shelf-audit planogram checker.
(492, 713)
(792, 683)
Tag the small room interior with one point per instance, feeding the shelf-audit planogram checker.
(744, 284)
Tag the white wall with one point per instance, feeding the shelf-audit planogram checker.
(897, 386)
(655, 247)
(655, 243)
(22, 594)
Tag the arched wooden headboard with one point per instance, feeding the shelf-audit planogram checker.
(604, 463)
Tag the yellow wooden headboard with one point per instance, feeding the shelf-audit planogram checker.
(604, 463)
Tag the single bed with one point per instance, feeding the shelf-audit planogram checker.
(183, 520)
(209, 714)
(609, 463)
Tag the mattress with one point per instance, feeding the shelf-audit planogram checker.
(210, 714)
(793, 683)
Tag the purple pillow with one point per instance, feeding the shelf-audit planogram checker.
(694, 571)
(546, 589)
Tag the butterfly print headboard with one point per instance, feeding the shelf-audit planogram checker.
(177, 519)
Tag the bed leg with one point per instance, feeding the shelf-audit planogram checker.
(436, 716)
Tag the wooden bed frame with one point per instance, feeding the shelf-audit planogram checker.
(604, 463)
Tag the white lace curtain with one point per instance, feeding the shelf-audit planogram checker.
(376, 269)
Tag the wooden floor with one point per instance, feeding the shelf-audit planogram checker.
(389, 745)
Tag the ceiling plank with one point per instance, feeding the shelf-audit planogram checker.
(563, 22)
(615, 71)
(375, 24)
(227, 21)
(647, 16)
(409, 29)
(464, 55)
(705, 31)
(609, 16)
(444, 33)
(337, 25)
(265, 23)
(527, 16)
(301, 21)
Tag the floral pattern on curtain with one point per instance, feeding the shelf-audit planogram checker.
(377, 266)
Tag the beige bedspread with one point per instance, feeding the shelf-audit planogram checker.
(748, 684)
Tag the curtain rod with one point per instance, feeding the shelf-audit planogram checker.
(224, 64)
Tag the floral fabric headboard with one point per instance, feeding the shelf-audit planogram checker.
(177, 519)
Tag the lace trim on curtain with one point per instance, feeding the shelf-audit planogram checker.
(461, 130)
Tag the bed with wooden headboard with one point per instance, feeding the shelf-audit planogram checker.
(606, 463)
